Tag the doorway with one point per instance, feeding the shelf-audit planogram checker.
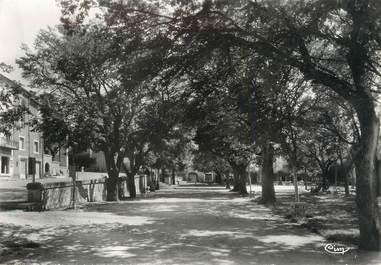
(47, 169)
(23, 167)
(38, 170)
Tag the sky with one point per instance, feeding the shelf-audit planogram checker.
(20, 21)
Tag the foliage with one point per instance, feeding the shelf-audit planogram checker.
(11, 111)
(335, 44)
(96, 73)
(226, 50)
(206, 162)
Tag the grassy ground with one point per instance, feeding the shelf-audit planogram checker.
(332, 215)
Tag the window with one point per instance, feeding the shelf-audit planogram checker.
(22, 143)
(4, 165)
(36, 146)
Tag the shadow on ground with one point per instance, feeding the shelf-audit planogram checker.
(334, 216)
(182, 226)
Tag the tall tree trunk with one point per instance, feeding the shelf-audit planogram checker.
(157, 179)
(239, 179)
(242, 179)
(173, 177)
(366, 190)
(131, 184)
(161, 176)
(112, 188)
(236, 181)
(227, 180)
(268, 192)
(293, 163)
(218, 177)
(378, 176)
(112, 182)
(295, 180)
(346, 184)
(325, 182)
(345, 172)
(305, 179)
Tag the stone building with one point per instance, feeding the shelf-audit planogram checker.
(24, 146)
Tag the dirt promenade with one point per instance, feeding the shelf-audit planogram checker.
(203, 225)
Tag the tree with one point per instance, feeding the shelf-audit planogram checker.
(97, 72)
(339, 118)
(221, 133)
(320, 131)
(11, 111)
(173, 153)
(55, 131)
(351, 30)
(207, 162)
(335, 44)
(276, 94)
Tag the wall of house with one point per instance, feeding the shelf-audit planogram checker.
(6, 162)
(6, 154)
(27, 143)
(30, 144)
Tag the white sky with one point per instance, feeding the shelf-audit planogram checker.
(20, 21)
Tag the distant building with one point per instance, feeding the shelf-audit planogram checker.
(25, 146)
(195, 176)
(210, 177)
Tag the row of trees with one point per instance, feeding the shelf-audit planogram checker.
(255, 78)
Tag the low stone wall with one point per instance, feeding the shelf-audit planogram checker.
(58, 195)
(141, 184)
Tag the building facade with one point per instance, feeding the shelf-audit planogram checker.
(22, 153)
